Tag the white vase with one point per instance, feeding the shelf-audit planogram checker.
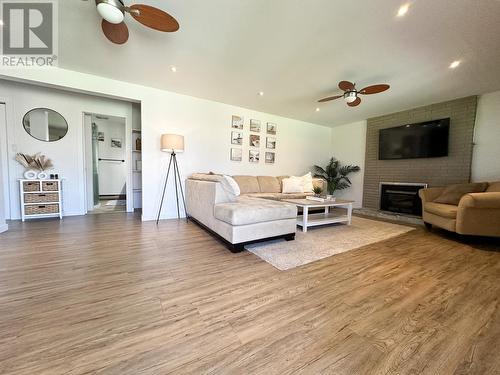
(30, 174)
(43, 176)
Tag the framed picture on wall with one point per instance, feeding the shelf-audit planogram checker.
(271, 143)
(237, 138)
(270, 157)
(253, 156)
(116, 143)
(255, 126)
(254, 140)
(236, 154)
(237, 122)
(271, 128)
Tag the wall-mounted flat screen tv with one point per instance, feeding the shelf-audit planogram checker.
(423, 140)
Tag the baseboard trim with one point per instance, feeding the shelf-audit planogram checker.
(4, 228)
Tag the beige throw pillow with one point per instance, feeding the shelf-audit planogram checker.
(292, 185)
(453, 193)
(307, 183)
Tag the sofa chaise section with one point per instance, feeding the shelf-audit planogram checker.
(238, 221)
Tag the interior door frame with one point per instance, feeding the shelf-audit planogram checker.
(4, 157)
(87, 153)
(87, 161)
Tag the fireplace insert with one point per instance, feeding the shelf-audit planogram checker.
(401, 198)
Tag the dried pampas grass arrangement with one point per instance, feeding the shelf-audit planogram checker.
(38, 161)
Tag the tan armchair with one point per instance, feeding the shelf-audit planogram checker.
(475, 214)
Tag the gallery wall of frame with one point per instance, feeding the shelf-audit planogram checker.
(254, 137)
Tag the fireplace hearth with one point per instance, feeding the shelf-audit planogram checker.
(401, 197)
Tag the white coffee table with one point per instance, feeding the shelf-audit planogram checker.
(322, 218)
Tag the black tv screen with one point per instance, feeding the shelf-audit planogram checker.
(423, 140)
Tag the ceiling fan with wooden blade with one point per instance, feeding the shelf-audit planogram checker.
(113, 14)
(351, 95)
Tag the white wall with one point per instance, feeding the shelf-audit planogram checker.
(112, 175)
(206, 127)
(486, 153)
(348, 145)
(67, 153)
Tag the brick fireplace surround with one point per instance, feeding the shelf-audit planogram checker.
(455, 168)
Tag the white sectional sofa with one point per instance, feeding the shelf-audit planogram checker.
(255, 215)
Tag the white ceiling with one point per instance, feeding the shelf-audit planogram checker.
(296, 51)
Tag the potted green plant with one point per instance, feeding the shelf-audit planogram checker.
(335, 175)
(317, 191)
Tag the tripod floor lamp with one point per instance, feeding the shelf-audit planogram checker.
(173, 143)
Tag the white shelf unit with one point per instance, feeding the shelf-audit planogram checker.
(40, 198)
(136, 173)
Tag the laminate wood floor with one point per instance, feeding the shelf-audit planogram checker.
(107, 294)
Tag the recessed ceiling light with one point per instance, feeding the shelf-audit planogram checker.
(173, 69)
(455, 64)
(403, 9)
(317, 109)
(1, 22)
(261, 93)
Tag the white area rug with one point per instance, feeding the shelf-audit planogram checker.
(120, 202)
(322, 242)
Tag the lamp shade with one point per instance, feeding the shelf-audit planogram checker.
(172, 143)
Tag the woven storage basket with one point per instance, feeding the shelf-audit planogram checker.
(41, 197)
(50, 186)
(41, 209)
(31, 186)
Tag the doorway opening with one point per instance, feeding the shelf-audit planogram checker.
(107, 190)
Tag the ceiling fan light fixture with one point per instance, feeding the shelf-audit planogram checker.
(350, 96)
(111, 10)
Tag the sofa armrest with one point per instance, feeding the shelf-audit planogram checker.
(429, 194)
(480, 200)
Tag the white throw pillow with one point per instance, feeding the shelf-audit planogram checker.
(307, 183)
(230, 185)
(292, 185)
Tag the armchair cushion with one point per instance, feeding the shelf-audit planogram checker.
(444, 210)
(453, 193)
(429, 194)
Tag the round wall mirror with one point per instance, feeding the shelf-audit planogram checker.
(45, 124)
